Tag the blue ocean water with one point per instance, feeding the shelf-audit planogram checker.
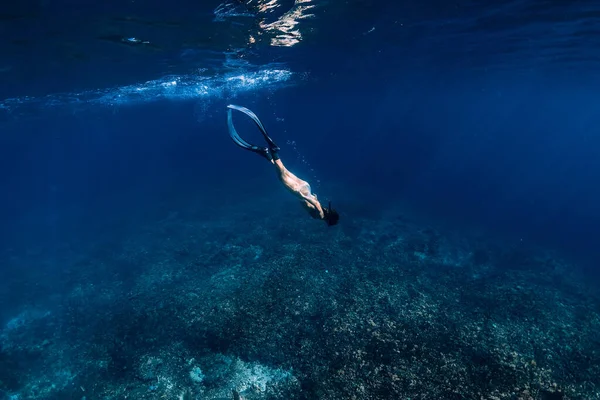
(144, 255)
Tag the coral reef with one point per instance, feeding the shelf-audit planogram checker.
(194, 305)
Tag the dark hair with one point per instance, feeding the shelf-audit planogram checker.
(331, 216)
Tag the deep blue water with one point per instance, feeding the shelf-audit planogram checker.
(483, 113)
(477, 116)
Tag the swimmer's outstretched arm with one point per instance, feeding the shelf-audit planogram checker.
(299, 187)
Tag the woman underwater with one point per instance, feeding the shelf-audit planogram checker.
(298, 187)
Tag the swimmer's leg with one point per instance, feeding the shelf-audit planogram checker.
(272, 148)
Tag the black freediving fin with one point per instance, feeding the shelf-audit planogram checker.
(273, 148)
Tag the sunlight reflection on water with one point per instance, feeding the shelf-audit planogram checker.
(283, 32)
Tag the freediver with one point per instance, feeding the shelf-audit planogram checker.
(298, 187)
